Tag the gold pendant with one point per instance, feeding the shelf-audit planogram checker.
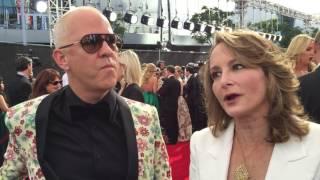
(241, 173)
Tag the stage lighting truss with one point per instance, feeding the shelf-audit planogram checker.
(112, 16)
(146, 19)
(271, 37)
(162, 22)
(130, 17)
(188, 25)
(176, 23)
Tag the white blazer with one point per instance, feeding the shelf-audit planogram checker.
(293, 160)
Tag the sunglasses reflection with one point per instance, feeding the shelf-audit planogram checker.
(56, 82)
(91, 43)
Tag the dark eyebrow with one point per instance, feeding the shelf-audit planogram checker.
(215, 68)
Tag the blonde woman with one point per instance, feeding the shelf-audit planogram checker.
(131, 73)
(149, 85)
(301, 54)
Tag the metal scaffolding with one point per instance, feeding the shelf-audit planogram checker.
(242, 5)
(56, 8)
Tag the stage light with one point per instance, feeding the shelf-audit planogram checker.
(41, 6)
(268, 36)
(199, 27)
(146, 19)
(162, 22)
(176, 23)
(112, 16)
(278, 38)
(188, 25)
(209, 29)
(130, 18)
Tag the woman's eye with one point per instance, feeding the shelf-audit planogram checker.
(238, 66)
(215, 75)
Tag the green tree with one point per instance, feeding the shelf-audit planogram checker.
(118, 25)
(213, 16)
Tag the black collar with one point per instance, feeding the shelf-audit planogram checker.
(108, 101)
(41, 122)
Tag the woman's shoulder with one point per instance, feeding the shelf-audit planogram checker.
(314, 131)
(202, 136)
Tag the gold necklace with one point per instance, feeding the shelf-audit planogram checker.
(241, 172)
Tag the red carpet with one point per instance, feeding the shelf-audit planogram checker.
(179, 156)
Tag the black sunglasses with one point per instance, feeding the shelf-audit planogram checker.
(91, 43)
(56, 82)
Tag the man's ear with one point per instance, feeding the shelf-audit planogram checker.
(60, 59)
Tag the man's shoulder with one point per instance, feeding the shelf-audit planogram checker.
(310, 77)
(138, 107)
(24, 111)
(28, 104)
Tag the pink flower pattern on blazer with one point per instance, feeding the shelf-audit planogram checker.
(21, 155)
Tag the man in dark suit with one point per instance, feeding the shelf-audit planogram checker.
(169, 93)
(20, 88)
(309, 91)
(85, 130)
(193, 93)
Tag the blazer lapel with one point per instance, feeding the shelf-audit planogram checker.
(41, 120)
(220, 152)
(284, 153)
(130, 133)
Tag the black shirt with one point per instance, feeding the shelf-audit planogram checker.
(86, 141)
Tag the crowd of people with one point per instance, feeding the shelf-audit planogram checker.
(251, 111)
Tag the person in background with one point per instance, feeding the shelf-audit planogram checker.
(4, 107)
(179, 74)
(149, 85)
(47, 82)
(309, 91)
(131, 72)
(317, 48)
(193, 94)
(184, 119)
(301, 53)
(168, 95)
(85, 130)
(20, 88)
(257, 126)
(161, 64)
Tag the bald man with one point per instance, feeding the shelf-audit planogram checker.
(85, 131)
(309, 91)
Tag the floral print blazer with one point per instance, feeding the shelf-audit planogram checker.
(22, 158)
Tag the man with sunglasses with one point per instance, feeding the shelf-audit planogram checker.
(310, 86)
(85, 130)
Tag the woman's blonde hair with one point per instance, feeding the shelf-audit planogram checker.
(285, 111)
(297, 45)
(148, 72)
(132, 64)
